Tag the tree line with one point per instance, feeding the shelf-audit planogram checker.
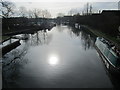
(14, 18)
(9, 9)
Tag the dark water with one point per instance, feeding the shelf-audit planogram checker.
(61, 58)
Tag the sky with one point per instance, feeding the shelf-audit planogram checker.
(64, 6)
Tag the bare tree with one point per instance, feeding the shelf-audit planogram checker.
(90, 9)
(23, 11)
(7, 9)
(71, 12)
(74, 11)
(60, 14)
(87, 8)
(30, 14)
(36, 13)
(46, 14)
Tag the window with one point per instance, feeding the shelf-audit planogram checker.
(106, 52)
(112, 59)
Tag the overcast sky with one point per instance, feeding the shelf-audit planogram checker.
(63, 6)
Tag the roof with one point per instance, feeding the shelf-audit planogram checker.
(115, 12)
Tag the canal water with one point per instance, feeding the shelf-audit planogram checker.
(63, 57)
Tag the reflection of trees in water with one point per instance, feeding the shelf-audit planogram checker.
(87, 39)
(12, 63)
(15, 60)
(76, 31)
(70, 32)
(40, 37)
(73, 32)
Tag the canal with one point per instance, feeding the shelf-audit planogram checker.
(63, 57)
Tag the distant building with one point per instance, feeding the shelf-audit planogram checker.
(111, 12)
(119, 5)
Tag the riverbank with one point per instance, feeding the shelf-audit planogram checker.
(4, 38)
(96, 32)
(8, 33)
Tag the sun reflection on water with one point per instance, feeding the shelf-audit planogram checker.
(53, 60)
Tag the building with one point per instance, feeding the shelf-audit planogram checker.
(111, 13)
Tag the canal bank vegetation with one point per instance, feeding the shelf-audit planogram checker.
(105, 24)
(104, 35)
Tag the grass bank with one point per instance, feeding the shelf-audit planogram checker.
(114, 40)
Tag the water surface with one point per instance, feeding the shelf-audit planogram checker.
(63, 57)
